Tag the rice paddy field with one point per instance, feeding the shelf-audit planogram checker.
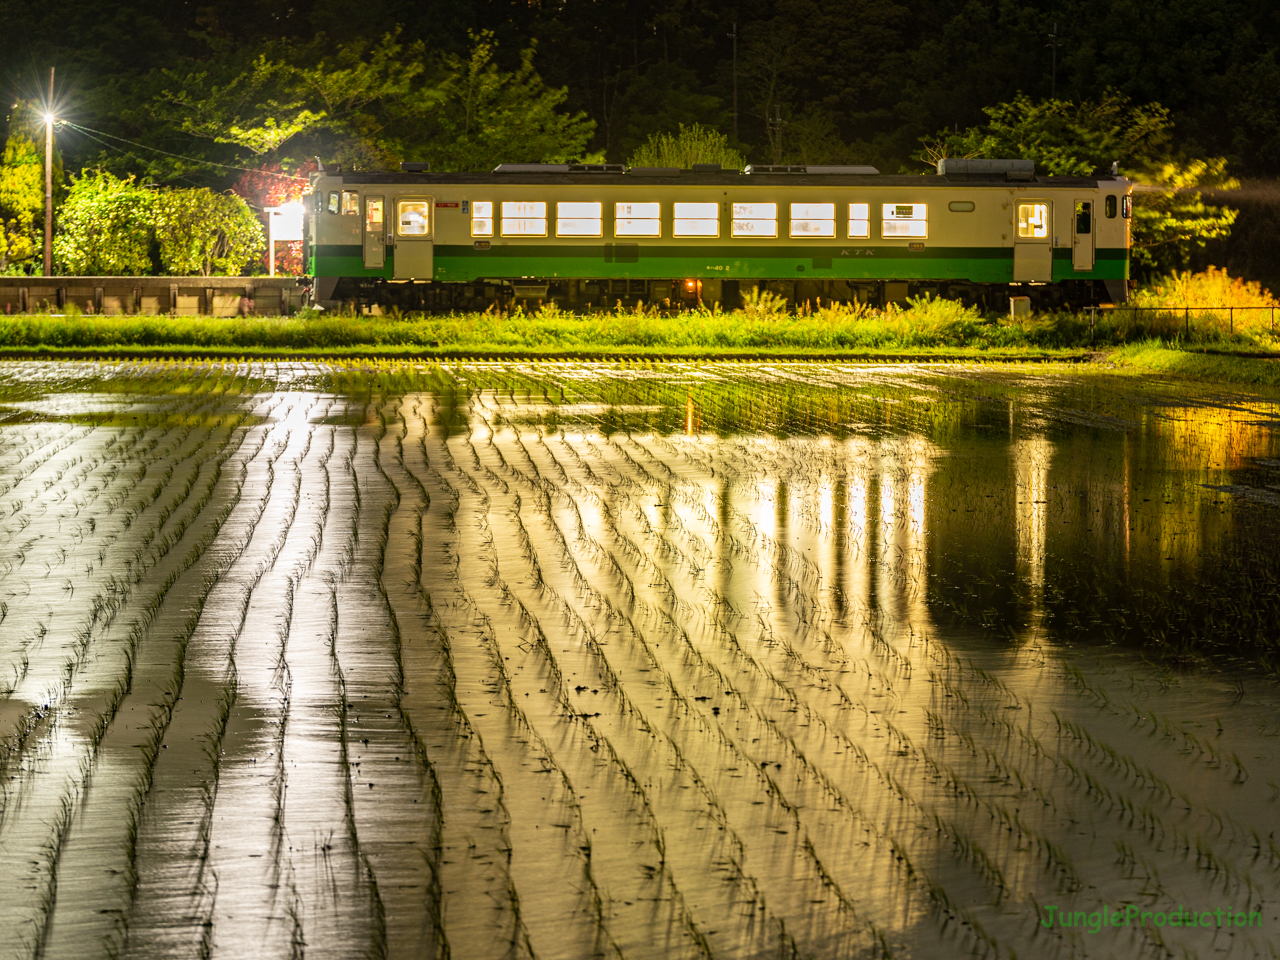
(650, 660)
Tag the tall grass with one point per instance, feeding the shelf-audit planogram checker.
(764, 322)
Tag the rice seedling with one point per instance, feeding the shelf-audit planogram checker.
(669, 686)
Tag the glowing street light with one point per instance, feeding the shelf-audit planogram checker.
(48, 184)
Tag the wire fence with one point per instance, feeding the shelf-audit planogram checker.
(1186, 311)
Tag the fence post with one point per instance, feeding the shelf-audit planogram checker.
(1231, 319)
(1186, 323)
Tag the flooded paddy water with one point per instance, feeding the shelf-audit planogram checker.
(645, 661)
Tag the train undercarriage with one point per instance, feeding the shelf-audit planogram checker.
(379, 296)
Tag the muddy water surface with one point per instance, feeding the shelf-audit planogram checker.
(564, 660)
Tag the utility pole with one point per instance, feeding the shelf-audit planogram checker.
(48, 182)
(776, 123)
(734, 37)
(1053, 44)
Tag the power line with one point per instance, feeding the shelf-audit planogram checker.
(178, 156)
(127, 153)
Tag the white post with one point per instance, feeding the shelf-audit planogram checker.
(271, 241)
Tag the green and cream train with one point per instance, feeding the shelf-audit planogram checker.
(584, 236)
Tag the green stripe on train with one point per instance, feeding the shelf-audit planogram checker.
(465, 264)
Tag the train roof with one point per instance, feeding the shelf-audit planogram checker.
(724, 179)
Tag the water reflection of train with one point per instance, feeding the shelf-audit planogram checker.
(583, 236)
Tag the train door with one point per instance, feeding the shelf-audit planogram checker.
(1032, 244)
(414, 255)
(1082, 236)
(375, 237)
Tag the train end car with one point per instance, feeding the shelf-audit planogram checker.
(592, 236)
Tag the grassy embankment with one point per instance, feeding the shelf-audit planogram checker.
(1201, 344)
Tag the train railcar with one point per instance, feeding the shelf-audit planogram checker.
(590, 236)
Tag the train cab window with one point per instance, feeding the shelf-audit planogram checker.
(1109, 206)
(333, 201)
(482, 218)
(524, 218)
(350, 203)
(813, 220)
(1084, 216)
(1126, 206)
(413, 217)
(904, 220)
(755, 219)
(637, 220)
(859, 221)
(961, 206)
(696, 220)
(579, 218)
(373, 215)
(1033, 221)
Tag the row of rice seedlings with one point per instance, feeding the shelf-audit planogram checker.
(531, 622)
(114, 587)
(819, 864)
(204, 884)
(168, 698)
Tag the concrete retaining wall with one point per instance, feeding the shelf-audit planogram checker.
(176, 296)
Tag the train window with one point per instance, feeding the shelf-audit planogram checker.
(577, 218)
(524, 218)
(350, 203)
(1084, 217)
(637, 220)
(373, 214)
(859, 221)
(696, 220)
(1109, 206)
(1033, 221)
(414, 218)
(904, 220)
(482, 218)
(755, 219)
(1126, 206)
(333, 201)
(813, 220)
(960, 206)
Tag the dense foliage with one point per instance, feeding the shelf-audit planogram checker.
(254, 83)
(113, 226)
(689, 145)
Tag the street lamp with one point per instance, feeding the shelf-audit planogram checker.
(48, 184)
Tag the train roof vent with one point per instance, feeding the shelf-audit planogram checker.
(845, 171)
(531, 168)
(653, 171)
(987, 169)
(772, 168)
(597, 168)
(415, 167)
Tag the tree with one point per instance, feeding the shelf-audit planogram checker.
(482, 116)
(21, 202)
(1067, 138)
(108, 226)
(202, 233)
(105, 227)
(693, 144)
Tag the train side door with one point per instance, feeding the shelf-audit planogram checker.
(414, 255)
(1082, 236)
(375, 236)
(1032, 242)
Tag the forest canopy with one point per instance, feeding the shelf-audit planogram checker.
(194, 95)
